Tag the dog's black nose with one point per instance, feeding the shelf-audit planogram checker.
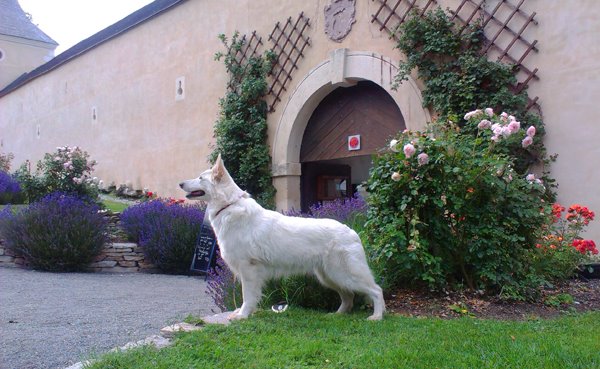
(181, 185)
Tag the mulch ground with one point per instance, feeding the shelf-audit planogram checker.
(585, 295)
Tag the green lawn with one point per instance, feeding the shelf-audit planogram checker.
(114, 206)
(307, 339)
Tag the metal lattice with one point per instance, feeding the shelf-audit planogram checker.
(504, 28)
(289, 43)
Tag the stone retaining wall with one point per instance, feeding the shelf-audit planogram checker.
(121, 257)
(117, 257)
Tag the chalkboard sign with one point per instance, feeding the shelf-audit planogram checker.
(206, 246)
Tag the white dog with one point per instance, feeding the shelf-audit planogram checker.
(259, 244)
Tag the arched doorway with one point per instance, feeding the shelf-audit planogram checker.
(345, 129)
(343, 68)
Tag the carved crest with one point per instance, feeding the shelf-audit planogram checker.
(339, 17)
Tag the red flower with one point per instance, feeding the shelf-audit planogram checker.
(585, 246)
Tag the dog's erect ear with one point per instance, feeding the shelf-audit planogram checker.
(218, 170)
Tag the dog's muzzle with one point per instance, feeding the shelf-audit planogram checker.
(193, 194)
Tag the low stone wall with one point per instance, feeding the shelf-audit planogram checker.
(117, 257)
(121, 257)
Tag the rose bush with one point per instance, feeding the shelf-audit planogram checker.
(447, 209)
(560, 251)
(68, 169)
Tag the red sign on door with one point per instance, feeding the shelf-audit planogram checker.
(353, 142)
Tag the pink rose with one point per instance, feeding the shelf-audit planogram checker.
(504, 117)
(514, 126)
(409, 150)
(489, 112)
(527, 141)
(423, 158)
(396, 176)
(393, 145)
(531, 131)
(484, 124)
(473, 113)
(530, 177)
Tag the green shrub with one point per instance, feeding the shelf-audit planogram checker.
(448, 210)
(66, 170)
(5, 160)
(60, 232)
(241, 130)
(458, 77)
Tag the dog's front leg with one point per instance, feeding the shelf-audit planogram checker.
(252, 283)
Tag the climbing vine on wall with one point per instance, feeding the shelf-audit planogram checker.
(241, 130)
(459, 78)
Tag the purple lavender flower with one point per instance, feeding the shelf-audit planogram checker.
(167, 232)
(8, 184)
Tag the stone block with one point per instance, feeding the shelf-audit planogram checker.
(7, 259)
(103, 264)
(124, 245)
(169, 331)
(221, 318)
(114, 254)
(133, 257)
(127, 263)
(118, 269)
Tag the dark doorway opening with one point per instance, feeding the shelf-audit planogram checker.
(333, 166)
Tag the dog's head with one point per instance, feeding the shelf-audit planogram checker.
(212, 184)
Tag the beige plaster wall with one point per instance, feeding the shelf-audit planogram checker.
(569, 92)
(144, 135)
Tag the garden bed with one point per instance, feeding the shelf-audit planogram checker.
(585, 297)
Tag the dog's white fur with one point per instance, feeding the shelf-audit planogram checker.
(259, 244)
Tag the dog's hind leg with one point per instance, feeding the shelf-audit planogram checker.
(346, 296)
(353, 274)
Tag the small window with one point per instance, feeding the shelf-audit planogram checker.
(180, 88)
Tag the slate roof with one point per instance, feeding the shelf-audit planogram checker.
(14, 22)
(134, 19)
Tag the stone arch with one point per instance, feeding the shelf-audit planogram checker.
(343, 68)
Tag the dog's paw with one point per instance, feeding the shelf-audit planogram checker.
(237, 316)
(233, 314)
(375, 317)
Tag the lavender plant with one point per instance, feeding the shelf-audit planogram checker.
(60, 232)
(10, 190)
(167, 231)
(222, 286)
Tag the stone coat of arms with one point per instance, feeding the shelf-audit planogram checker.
(339, 17)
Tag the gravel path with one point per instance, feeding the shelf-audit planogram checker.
(50, 320)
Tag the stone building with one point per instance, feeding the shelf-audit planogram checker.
(141, 96)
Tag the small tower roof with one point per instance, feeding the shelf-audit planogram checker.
(14, 22)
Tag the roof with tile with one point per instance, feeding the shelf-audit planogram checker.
(15, 22)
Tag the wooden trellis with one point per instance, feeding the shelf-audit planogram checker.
(289, 41)
(393, 13)
(504, 27)
(249, 48)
